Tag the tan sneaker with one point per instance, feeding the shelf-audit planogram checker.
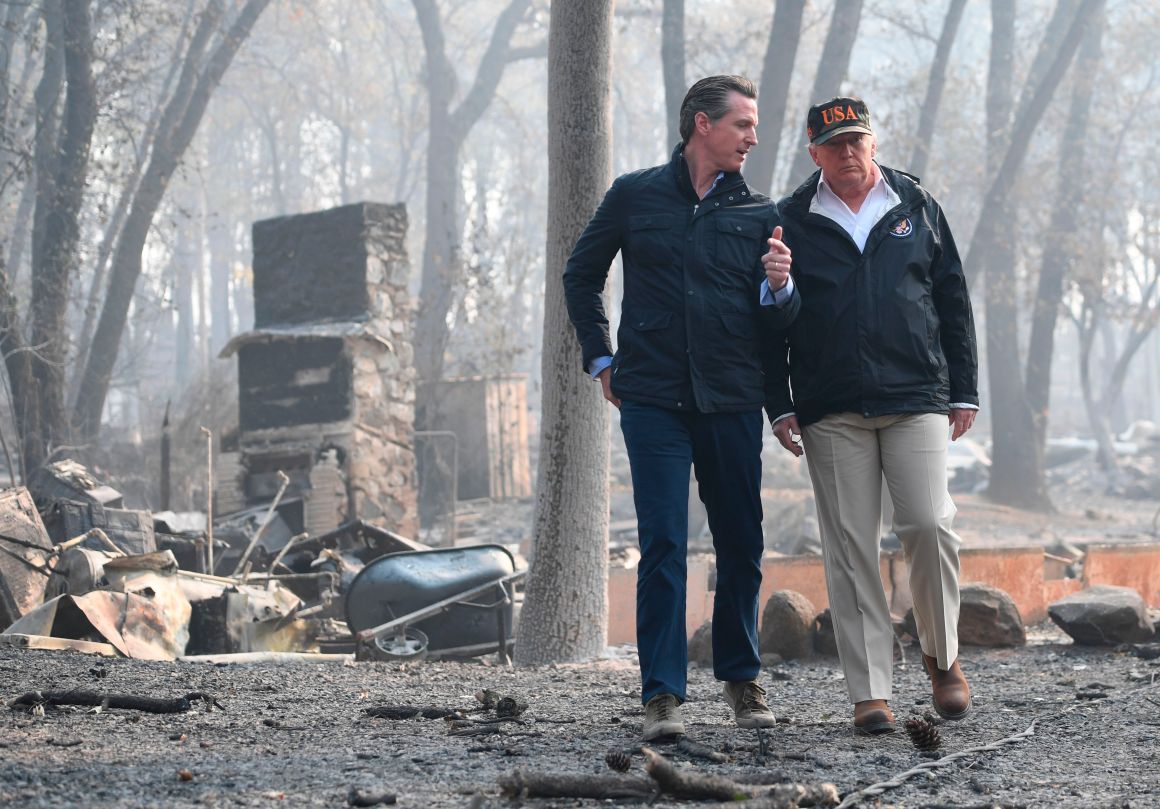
(662, 717)
(748, 703)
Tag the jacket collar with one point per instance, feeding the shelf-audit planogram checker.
(905, 185)
(680, 169)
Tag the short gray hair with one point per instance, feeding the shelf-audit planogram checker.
(710, 95)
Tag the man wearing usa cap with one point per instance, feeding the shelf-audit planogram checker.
(881, 356)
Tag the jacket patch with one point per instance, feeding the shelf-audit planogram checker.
(902, 228)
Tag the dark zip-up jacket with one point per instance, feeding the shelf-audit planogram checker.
(693, 336)
(885, 331)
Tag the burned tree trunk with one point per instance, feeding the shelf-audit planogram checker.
(934, 87)
(179, 123)
(776, 71)
(36, 372)
(832, 69)
(448, 129)
(1063, 244)
(1017, 470)
(565, 614)
(673, 65)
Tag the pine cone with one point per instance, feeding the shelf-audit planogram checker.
(618, 760)
(922, 733)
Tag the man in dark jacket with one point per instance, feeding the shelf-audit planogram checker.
(689, 379)
(881, 355)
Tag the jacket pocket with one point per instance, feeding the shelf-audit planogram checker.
(738, 243)
(650, 238)
(739, 324)
(649, 319)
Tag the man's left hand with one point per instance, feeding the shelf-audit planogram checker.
(776, 261)
(961, 420)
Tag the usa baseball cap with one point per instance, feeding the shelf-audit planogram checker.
(835, 117)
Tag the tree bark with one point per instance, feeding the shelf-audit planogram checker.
(934, 87)
(1063, 244)
(61, 177)
(832, 69)
(113, 229)
(565, 614)
(448, 129)
(178, 126)
(1017, 468)
(776, 72)
(673, 65)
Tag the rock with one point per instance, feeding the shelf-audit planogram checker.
(787, 624)
(988, 617)
(1103, 615)
(701, 645)
(825, 642)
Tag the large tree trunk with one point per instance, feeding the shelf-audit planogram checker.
(776, 71)
(113, 228)
(1063, 243)
(178, 125)
(673, 65)
(442, 264)
(832, 69)
(1017, 470)
(565, 614)
(934, 87)
(61, 178)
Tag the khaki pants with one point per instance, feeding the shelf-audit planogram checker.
(848, 458)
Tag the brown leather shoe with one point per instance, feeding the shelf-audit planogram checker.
(950, 693)
(873, 717)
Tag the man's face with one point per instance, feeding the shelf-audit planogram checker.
(728, 139)
(846, 160)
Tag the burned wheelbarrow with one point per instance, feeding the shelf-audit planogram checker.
(449, 602)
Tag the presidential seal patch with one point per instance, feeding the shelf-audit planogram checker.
(902, 228)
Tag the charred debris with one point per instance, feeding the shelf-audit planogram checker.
(78, 570)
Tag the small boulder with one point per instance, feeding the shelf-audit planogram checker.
(825, 641)
(701, 645)
(787, 625)
(988, 617)
(1104, 615)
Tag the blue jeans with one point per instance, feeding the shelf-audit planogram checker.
(724, 450)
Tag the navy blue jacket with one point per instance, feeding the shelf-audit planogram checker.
(693, 336)
(888, 330)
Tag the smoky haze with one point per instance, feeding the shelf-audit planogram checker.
(142, 139)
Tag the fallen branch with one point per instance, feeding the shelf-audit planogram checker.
(34, 699)
(410, 712)
(789, 796)
(695, 750)
(521, 784)
(688, 785)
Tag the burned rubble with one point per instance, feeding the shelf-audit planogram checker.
(314, 496)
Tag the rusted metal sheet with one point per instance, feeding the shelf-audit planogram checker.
(144, 614)
(24, 550)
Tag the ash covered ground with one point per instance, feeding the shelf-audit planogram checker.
(298, 735)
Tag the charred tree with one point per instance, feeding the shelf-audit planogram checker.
(448, 128)
(36, 369)
(673, 65)
(565, 614)
(934, 87)
(832, 70)
(200, 75)
(1017, 470)
(776, 72)
(1063, 244)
